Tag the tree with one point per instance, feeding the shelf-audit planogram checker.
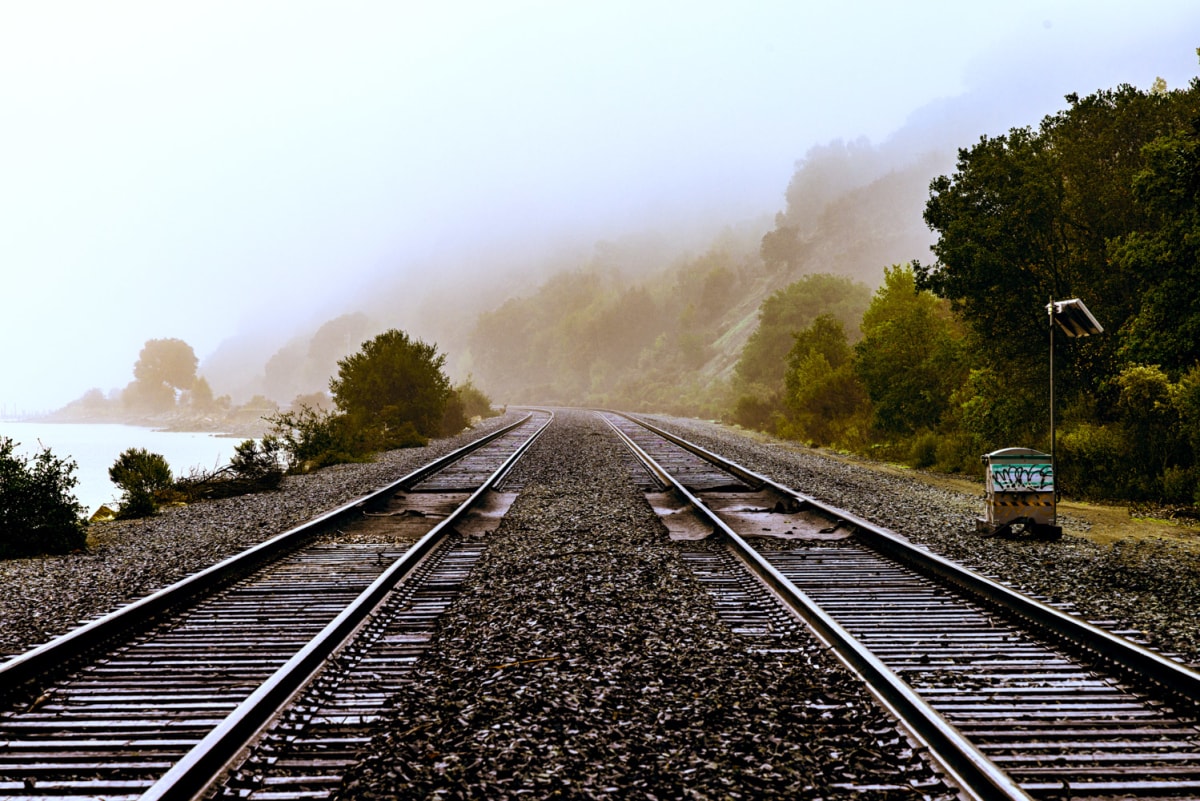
(141, 475)
(38, 513)
(1165, 257)
(164, 367)
(1032, 214)
(824, 398)
(168, 361)
(393, 386)
(200, 397)
(791, 309)
(908, 358)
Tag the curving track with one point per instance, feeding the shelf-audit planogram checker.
(1015, 699)
(157, 700)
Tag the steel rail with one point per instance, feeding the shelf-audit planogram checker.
(35, 664)
(1172, 676)
(200, 768)
(978, 776)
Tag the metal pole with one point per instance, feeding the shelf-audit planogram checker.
(1053, 442)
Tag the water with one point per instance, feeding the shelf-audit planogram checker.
(95, 446)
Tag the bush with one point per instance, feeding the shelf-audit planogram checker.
(922, 452)
(474, 402)
(313, 438)
(757, 408)
(142, 476)
(255, 461)
(956, 453)
(255, 467)
(393, 386)
(1093, 462)
(1179, 485)
(38, 513)
(454, 418)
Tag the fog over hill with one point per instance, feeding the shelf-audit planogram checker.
(850, 208)
(238, 175)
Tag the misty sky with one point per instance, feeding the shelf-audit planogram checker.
(193, 169)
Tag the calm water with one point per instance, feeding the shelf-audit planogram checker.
(94, 447)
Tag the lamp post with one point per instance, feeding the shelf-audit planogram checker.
(1073, 317)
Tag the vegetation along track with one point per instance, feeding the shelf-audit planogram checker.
(1014, 699)
(297, 639)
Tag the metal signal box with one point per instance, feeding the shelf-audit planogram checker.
(1019, 492)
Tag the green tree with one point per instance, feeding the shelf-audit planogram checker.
(38, 512)
(394, 386)
(1155, 437)
(764, 358)
(1032, 214)
(141, 475)
(1165, 256)
(826, 402)
(908, 359)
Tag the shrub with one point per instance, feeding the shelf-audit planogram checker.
(255, 467)
(254, 460)
(956, 453)
(474, 402)
(454, 418)
(313, 438)
(1093, 462)
(1179, 485)
(922, 452)
(394, 385)
(38, 513)
(142, 476)
(757, 408)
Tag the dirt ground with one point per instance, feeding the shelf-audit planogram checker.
(1105, 523)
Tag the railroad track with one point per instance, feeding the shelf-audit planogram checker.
(1012, 698)
(259, 676)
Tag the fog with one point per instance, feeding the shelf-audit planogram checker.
(236, 174)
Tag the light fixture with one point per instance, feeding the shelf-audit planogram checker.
(1074, 318)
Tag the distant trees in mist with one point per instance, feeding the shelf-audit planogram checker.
(1100, 201)
(304, 365)
(164, 369)
(165, 390)
(946, 360)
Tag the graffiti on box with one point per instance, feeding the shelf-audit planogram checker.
(1022, 478)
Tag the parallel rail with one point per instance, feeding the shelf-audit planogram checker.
(1007, 717)
(230, 665)
(35, 664)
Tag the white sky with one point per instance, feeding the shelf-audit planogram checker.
(174, 169)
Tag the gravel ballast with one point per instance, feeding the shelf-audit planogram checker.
(583, 660)
(527, 645)
(49, 595)
(1151, 586)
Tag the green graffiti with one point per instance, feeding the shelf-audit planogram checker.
(1023, 478)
